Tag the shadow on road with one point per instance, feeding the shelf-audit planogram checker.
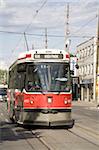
(14, 132)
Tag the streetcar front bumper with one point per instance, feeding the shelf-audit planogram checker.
(47, 117)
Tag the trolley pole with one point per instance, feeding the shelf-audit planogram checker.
(97, 64)
(46, 41)
(26, 42)
(67, 28)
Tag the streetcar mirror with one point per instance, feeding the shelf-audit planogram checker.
(61, 79)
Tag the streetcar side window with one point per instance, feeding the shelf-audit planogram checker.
(33, 80)
(17, 77)
(20, 80)
(21, 67)
(12, 78)
(20, 76)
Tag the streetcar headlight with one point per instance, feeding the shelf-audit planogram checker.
(31, 101)
(49, 99)
(65, 102)
(69, 101)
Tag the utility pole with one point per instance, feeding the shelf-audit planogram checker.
(67, 28)
(97, 63)
(46, 41)
(26, 41)
(32, 46)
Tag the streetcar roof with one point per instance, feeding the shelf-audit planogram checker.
(42, 51)
(28, 56)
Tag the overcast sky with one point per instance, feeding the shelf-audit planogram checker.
(33, 16)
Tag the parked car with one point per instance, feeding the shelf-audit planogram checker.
(3, 94)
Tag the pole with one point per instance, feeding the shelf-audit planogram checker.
(67, 28)
(46, 42)
(97, 63)
(26, 41)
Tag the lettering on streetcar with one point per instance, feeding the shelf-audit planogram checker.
(48, 56)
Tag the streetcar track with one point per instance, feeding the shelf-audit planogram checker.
(84, 117)
(22, 133)
(34, 135)
(43, 142)
(89, 130)
(81, 137)
(29, 134)
(29, 143)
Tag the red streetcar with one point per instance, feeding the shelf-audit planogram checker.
(40, 88)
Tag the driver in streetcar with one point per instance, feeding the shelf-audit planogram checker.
(33, 86)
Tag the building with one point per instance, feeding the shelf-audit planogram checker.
(86, 54)
(75, 78)
(73, 62)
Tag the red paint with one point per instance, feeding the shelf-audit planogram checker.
(37, 101)
(41, 101)
(26, 56)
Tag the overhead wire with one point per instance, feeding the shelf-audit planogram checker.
(79, 30)
(78, 36)
(20, 33)
(74, 36)
(36, 13)
(50, 35)
(17, 44)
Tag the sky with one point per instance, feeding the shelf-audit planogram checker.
(32, 17)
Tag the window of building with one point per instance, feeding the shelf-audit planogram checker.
(92, 49)
(89, 50)
(91, 69)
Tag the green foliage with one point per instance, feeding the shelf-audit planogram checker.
(72, 55)
(3, 76)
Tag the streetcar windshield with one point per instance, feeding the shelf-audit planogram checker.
(48, 77)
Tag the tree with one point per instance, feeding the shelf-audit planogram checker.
(3, 76)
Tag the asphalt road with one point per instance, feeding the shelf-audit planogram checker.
(83, 136)
(86, 115)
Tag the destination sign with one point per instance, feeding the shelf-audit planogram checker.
(48, 56)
